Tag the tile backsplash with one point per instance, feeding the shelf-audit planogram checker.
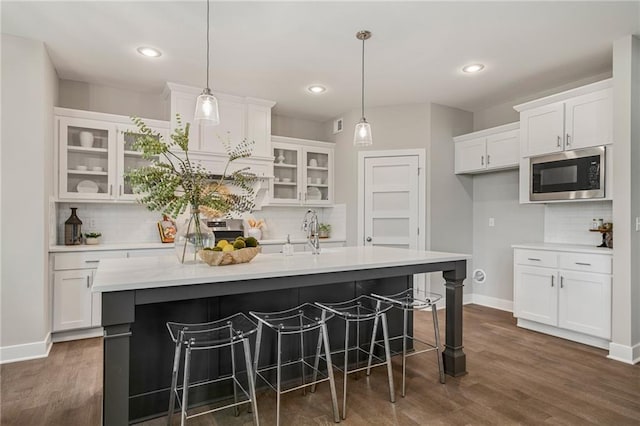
(133, 223)
(569, 223)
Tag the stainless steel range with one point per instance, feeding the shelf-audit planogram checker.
(226, 229)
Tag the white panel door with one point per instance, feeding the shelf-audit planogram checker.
(535, 294)
(585, 303)
(589, 120)
(391, 201)
(542, 130)
(72, 301)
(470, 155)
(503, 150)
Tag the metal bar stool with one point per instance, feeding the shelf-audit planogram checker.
(360, 309)
(300, 320)
(406, 301)
(228, 332)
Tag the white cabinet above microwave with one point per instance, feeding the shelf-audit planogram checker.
(575, 119)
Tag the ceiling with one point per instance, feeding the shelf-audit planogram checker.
(274, 50)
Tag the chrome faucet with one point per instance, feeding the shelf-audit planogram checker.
(310, 225)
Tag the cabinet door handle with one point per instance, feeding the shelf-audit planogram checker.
(88, 284)
(110, 189)
(561, 281)
(568, 136)
(534, 259)
(482, 160)
(119, 189)
(583, 264)
(91, 261)
(488, 159)
(299, 195)
(552, 280)
(559, 141)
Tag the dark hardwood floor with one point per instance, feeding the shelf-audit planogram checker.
(515, 377)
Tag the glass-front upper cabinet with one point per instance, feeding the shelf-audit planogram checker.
(87, 159)
(129, 159)
(303, 172)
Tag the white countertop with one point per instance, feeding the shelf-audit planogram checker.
(579, 248)
(143, 246)
(166, 271)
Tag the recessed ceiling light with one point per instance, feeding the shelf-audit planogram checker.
(472, 68)
(149, 52)
(317, 89)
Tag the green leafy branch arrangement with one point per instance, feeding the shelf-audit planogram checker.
(173, 182)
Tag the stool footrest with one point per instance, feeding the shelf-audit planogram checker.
(243, 396)
(290, 370)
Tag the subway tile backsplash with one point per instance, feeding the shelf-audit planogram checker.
(133, 223)
(569, 223)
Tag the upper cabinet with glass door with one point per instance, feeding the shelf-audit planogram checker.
(303, 172)
(94, 153)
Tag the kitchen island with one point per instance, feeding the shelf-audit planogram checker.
(140, 294)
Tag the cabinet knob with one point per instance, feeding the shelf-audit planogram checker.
(368, 239)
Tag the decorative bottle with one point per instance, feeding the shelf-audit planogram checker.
(73, 229)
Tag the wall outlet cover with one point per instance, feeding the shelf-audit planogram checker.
(492, 221)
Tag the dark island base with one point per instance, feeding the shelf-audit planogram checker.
(151, 350)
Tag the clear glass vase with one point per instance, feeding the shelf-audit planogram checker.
(192, 235)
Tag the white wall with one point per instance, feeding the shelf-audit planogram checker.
(626, 207)
(282, 125)
(93, 97)
(29, 92)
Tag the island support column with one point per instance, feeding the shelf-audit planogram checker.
(455, 360)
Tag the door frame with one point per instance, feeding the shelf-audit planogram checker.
(422, 187)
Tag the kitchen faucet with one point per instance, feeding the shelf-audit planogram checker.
(310, 225)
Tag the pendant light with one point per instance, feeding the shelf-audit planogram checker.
(362, 135)
(207, 104)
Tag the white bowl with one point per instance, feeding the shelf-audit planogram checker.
(97, 169)
(82, 168)
(287, 180)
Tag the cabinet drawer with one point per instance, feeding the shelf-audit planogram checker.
(547, 259)
(83, 260)
(586, 262)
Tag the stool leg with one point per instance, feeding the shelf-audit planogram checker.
(304, 389)
(436, 330)
(327, 352)
(257, 355)
(236, 409)
(385, 331)
(344, 372)
(185, 385)
(404, 350)
(316, 362)
(278, 379)
(252, 385)
(373, 339)
(174, 379)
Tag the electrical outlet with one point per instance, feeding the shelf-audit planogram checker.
(492, 221)
(92, 224)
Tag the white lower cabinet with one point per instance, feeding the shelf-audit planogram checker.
(569, 291)
(72, 299)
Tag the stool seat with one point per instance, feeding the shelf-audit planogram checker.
(212, 333)
(406, 299)
(361, 308)
(301, 318)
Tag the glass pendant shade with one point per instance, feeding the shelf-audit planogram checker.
(207, 109)
(362, 135)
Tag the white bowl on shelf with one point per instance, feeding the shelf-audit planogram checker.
(87, 187)
(286, 180)
(97, 169)
(82, 168)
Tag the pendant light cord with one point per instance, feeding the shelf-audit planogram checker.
(207, 44)
(363, 77)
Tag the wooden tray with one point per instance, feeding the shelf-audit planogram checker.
(221, 258)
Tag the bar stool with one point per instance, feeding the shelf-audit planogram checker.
(406, 301)
(300, 320)
(228, 332)
(360, 309)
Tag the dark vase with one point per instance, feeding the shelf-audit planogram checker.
(73, 229)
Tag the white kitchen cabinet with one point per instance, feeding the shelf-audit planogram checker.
(72, 300)
(96, 170)
(568, 291)
(574, 119)
(303, 172)
(497, 148)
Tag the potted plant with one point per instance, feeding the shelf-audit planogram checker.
(173, 182)
(92, 238)
(324, 230)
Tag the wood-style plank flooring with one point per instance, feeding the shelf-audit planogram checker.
(515, 377)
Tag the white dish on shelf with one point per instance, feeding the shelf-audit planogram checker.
(87, 187)
(97, 169)
(286, 180)
(314, 194)
(82, 168)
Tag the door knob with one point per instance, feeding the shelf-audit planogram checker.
(368, 239)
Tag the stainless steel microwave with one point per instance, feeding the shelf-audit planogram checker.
(568, 175)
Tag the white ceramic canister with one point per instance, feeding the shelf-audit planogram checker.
(86, 139)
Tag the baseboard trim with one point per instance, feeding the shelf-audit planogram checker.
(585, 339)
(26, 351)
(85, 333)
(493, 302)
(623, 353)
